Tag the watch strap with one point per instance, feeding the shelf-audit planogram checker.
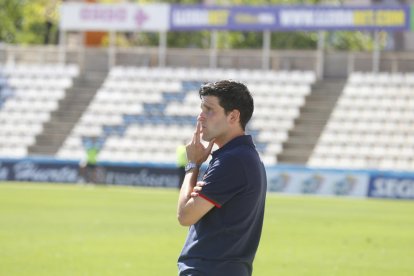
(190, 166)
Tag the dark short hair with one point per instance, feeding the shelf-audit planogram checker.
(231, 95)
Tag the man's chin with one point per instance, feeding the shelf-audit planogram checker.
(206, 138)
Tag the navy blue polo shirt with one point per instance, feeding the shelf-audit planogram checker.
(225, 240)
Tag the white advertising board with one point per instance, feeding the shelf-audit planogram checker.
(114, 17)
(306, 181)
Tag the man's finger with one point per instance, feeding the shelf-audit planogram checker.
(197, 133)
(200, 183)
(197, 190)
(210, 146)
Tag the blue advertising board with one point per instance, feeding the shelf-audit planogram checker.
(39, 170)
(285, 18)
(397, 186)
(63, 171)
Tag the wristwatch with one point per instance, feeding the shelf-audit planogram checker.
(190, 166)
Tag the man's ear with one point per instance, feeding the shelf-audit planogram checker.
(235, 116)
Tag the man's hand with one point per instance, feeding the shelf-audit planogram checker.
(196, 151)
(197, 189)
(192, 208)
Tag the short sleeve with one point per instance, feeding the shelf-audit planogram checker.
(223, 180)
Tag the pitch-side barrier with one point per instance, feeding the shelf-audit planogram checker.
(281, 179)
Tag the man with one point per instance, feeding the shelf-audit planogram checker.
(225, 210)
(88, 165)
(181, 162)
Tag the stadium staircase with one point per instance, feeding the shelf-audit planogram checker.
(70, 110)
(313, 118)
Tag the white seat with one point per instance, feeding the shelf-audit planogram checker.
(278, 97)
(371, 117)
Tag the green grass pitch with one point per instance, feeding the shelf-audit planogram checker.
(61, 229)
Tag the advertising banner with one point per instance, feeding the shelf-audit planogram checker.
(223, 18)
(308, 181)
(28, 170)
(52, 170)
(345, 18)
(289, 18)
(281, 179)
(114, 17)
(164, 17)
(152, 176)
(391, 186)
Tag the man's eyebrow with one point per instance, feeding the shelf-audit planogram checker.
(205, 105)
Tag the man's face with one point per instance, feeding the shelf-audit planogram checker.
(213, 119)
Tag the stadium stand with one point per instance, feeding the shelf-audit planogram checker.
(28, 94)
(372, 124)
(141, 114)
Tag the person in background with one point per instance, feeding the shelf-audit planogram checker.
(88, 169)
(181, 162)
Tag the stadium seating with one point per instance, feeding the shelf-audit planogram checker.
(28, 94)
(371, 125)
(143, 114)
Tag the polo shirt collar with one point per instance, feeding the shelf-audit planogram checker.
(238, 141)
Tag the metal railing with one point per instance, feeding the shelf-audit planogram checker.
(334, 64)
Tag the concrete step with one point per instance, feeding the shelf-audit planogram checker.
(299, 141)
(315, 114)
(42, 150)
(297, 151)
(320, 102)
(55, 140)
(305, 131)
(81, 93)
(57, 125)
(310, 121)
(68, 115)
(294, 158)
